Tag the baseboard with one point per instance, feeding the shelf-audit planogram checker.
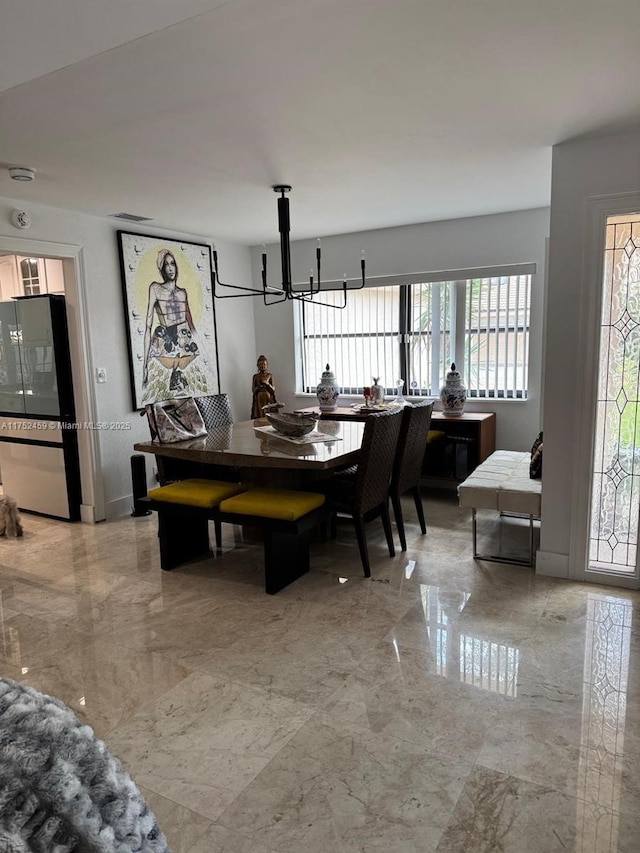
(119, 508)
(552, 565)
(88, 514)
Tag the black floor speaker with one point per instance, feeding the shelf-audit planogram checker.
(139, 484)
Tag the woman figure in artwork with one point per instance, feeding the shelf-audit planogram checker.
(263, 388)
(172, 345)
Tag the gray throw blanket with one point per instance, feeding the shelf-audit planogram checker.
(60, 789)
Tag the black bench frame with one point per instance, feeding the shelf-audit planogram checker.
(183, 534)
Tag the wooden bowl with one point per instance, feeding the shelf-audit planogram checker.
(288, 423)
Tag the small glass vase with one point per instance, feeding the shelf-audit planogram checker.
(377, 392)
(399, 399)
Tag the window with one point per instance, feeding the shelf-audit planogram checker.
(414, 331)
(30, 277)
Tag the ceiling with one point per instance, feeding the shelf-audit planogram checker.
(378, 112)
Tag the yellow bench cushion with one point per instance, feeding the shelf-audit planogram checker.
(434, 435)
(201, 493)
(273, 503)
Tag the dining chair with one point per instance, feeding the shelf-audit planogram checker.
(407, 465)
(365, 495)
(216, 413)
(215, 410)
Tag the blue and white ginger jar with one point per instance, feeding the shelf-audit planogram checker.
(328, 391)
(453, 394)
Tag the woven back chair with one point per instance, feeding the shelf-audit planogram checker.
(407, 465)
(216, 414)
(215, 410)
(366, 495)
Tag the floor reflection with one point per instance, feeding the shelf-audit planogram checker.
(606, 677)
(480, 662)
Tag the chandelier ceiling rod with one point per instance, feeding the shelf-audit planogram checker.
(286, 291)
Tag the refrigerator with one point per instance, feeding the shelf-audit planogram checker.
(39, 463)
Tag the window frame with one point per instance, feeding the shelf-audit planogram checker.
(457, 280)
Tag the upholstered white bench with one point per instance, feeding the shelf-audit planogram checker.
(502, 483)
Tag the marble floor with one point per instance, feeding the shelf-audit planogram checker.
(441, 706)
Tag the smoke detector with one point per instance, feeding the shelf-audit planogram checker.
(22, 173)
(21, 219)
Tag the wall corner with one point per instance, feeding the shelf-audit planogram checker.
(552, 565)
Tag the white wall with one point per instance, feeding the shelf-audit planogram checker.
(107, 342)
(581, 172)
(480, 241)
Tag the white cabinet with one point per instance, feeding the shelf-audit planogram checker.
(35, 477)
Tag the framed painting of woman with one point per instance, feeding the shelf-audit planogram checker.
(170, 318)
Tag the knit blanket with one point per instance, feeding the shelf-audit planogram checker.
(60, 789)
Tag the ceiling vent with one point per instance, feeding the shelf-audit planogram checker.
(130, 217)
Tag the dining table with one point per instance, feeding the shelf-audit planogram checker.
(356, 412)
(265, 458)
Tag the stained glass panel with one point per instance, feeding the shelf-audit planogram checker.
(615, 502)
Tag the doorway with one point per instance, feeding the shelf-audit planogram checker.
(58, 268)
(29, 276)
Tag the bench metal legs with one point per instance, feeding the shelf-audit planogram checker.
(494, 558)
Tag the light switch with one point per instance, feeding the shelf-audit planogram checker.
(101, 374)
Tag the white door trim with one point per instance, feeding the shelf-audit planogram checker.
(93, 500)
(598, 208)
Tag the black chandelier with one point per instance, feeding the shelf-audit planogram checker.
(275, 295)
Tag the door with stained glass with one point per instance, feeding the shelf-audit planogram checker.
(615, 492)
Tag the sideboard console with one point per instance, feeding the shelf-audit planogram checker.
(459, 444)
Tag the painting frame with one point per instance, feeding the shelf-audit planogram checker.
(170, 317)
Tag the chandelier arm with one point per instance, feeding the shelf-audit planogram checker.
(267, 289)
(362, 274)
(248, 291)
(235, 295)
(273, 301)
(303, 297)
(312, 301)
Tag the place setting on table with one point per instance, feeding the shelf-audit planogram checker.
(384, 406)
(374, 401)
(374, 397)
(295, 427)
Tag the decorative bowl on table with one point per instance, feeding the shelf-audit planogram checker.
(291, 424)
